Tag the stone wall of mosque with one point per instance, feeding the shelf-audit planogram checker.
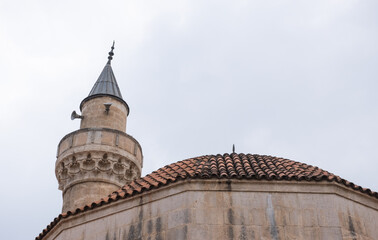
(230, 209)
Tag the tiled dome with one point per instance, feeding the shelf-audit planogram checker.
(238, 166)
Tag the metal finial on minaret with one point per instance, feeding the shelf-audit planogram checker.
(111, 54)
(233, 148)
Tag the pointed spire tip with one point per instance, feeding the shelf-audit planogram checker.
(111, 53)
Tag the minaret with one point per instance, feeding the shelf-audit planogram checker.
(100, 157)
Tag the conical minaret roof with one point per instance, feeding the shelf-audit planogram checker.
(106, 84)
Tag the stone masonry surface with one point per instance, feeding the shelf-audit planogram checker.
(230, 209)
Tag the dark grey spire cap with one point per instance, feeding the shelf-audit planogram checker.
(106, 84)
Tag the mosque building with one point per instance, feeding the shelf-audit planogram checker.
(223, 196)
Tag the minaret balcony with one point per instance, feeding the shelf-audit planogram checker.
(102, 153)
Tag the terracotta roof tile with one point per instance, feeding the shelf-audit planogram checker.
(226, 166)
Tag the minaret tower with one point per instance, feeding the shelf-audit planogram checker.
(100, 157)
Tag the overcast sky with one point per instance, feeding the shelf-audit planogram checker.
(294, 79)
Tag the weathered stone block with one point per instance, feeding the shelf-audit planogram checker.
(209, 216)
(199, 232)
(311, 233)
(179, 233)
(328, 218)
(309, 218)
(258, 217)
(294, 233)
(179, 217)
(236, 216)
(333, 233)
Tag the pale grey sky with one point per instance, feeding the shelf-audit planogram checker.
(294, 79)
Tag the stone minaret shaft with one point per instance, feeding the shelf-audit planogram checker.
(100, 157)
